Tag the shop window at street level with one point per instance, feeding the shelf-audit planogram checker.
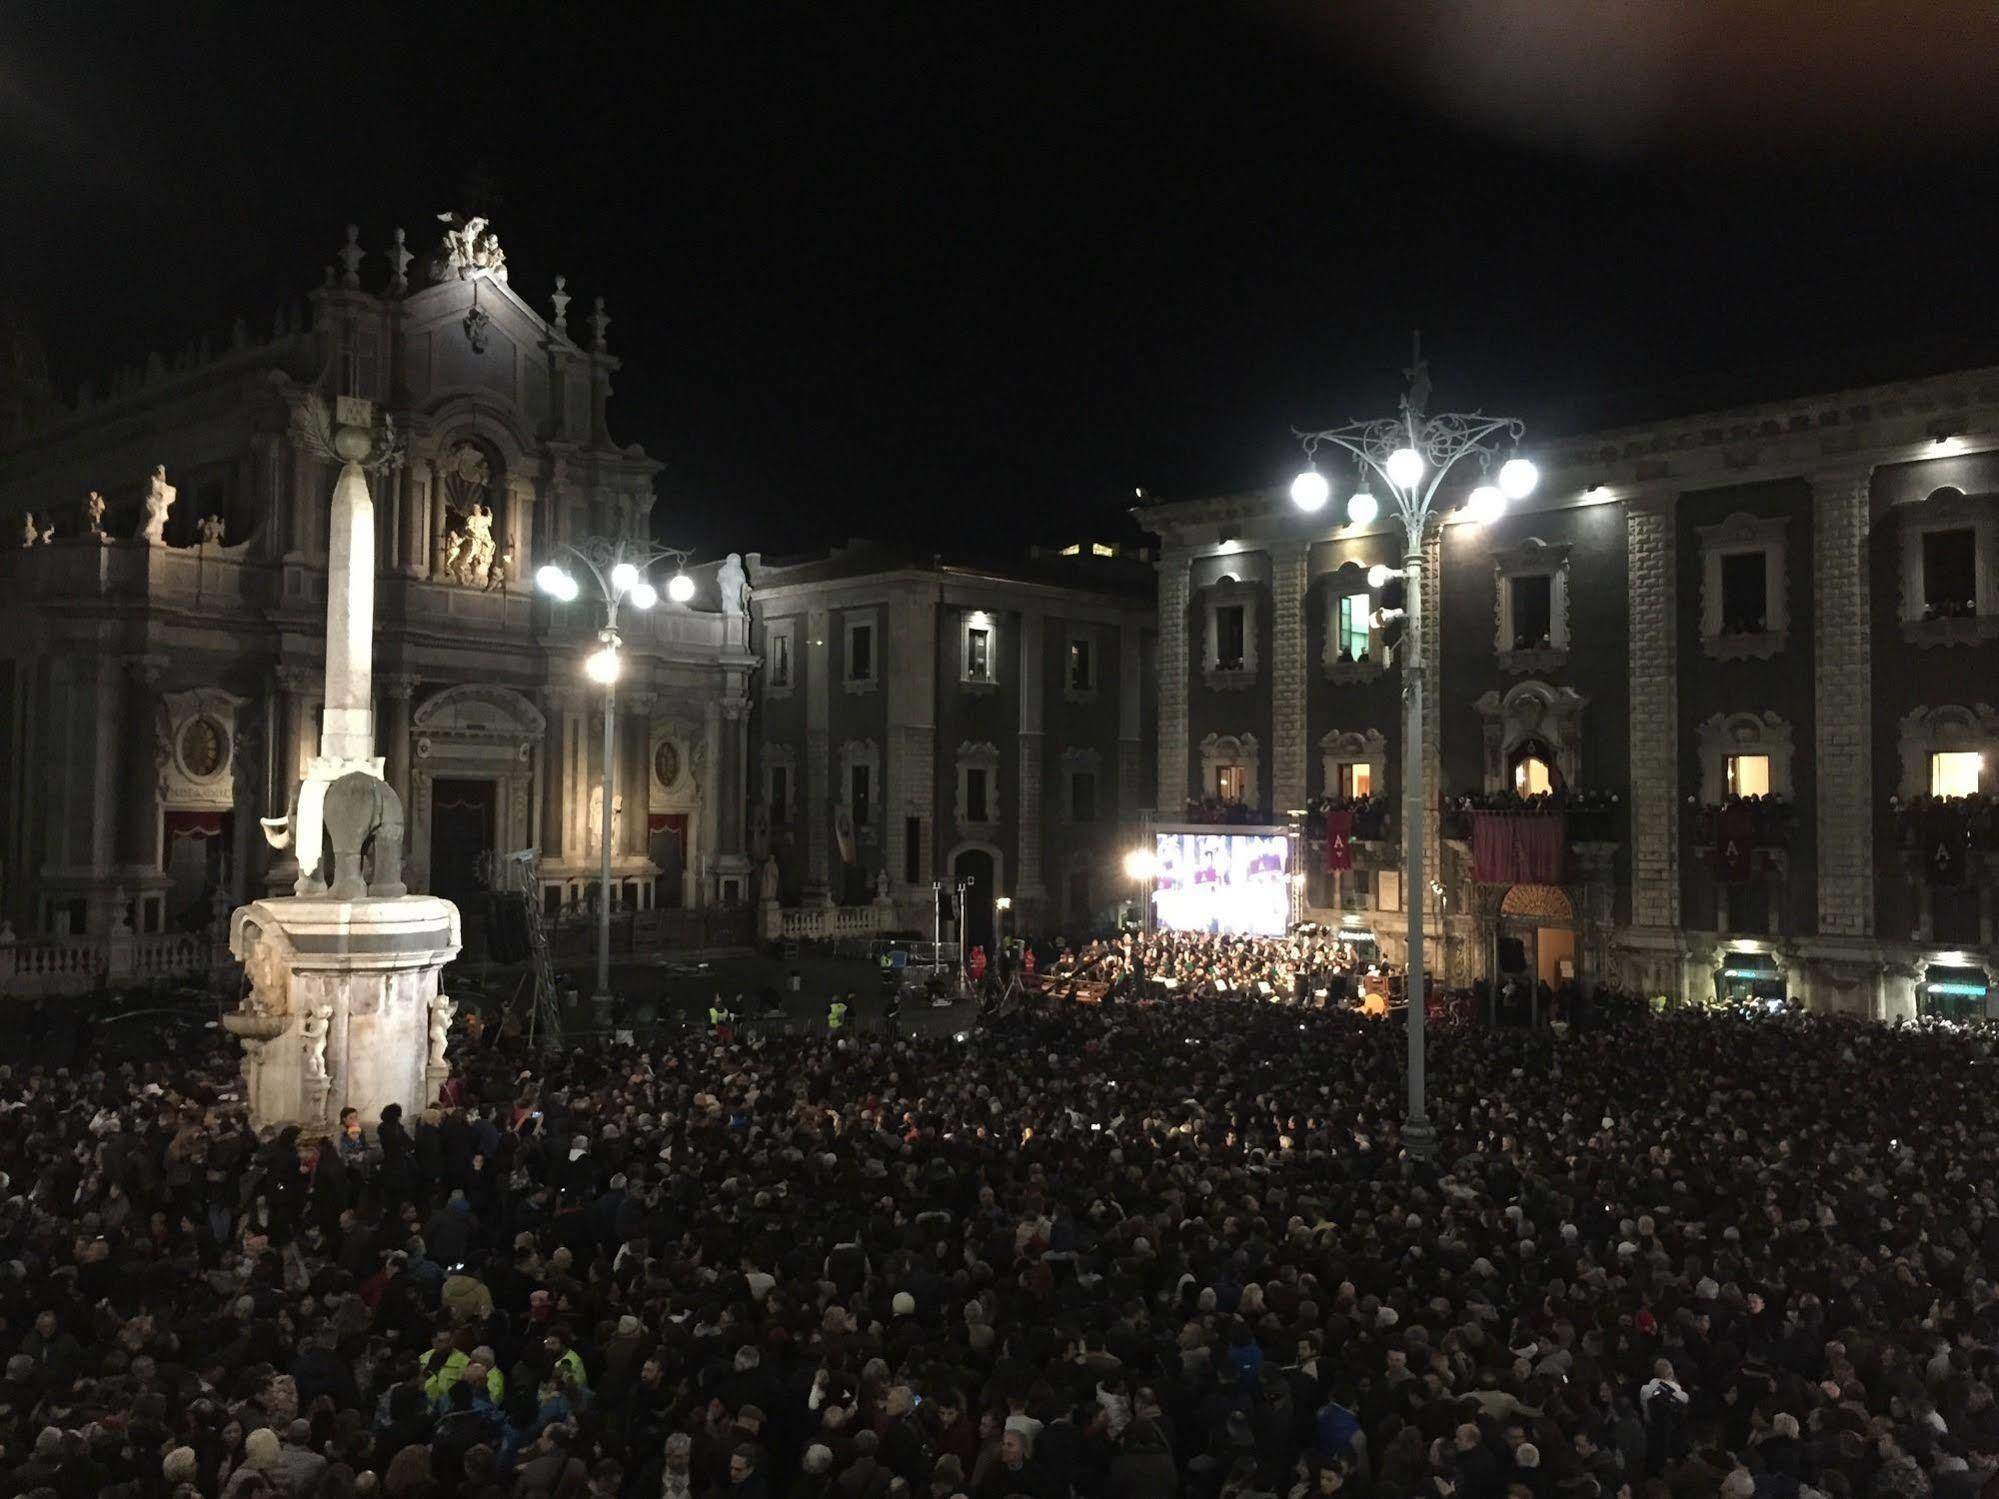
(1533, 616)
(1231, 637)
(1950, 573)
(1745, 593)
(1956, 772)
(1748, 775)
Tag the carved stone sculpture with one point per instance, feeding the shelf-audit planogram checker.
(767, 880)
(49, 532)
(363, 815)
(441, 1011)
(467, 247)
(93, 514)
(497, 574)
(270, 980)
(312, 1043)
(160, 497)
(733, 584)
(212, 528)
(30, 532)
(881, 884)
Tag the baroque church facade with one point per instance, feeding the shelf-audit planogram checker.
(163, 588)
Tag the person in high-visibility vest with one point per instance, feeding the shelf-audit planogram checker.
(836, 1014)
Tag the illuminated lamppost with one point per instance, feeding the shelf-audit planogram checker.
(1411, 453)
(618, 568)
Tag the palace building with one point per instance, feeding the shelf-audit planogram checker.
(925, 722)
(163, 587)
(1753, 655)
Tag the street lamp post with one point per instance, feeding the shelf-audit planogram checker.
(1411, 453)
(618, 568)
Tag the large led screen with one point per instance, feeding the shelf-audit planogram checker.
(1221, 882)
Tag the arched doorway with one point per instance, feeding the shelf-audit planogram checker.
(1536, 935)
(977, 867)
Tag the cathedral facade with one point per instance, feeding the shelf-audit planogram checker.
(163, 587)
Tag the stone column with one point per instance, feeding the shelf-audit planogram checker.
(1287, 676)
(396, 751)
(909, 773)
(107, 760)
(1174, 580)
(554, 774)
(1841, 662)
(1651, 567)
(147, 750)
(1028, 887)
(818, 745)
(349, 730)
(1130, 723)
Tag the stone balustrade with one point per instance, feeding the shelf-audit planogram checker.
(44, 967)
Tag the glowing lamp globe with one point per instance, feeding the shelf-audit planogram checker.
(1517, 478)
(602, 666)
(1485, 505)
(1310, 491)
(1379, 574)
(552, 580)
(1362, 508)
(1405, 467)
(680, 588)
(643, 595)
(624, 576)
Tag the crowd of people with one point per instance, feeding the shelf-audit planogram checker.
(1311, 965)
(1095, 1250)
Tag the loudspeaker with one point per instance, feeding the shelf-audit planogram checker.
(507, 928)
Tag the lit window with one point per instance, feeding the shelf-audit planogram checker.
(1531, 777)
(1230, 782)
(1102, 549)
(1074, 549)
(1354, 611)
(1356, 778)
(1748, 775)
(979, 654)
(1956, 773)
(780, 660)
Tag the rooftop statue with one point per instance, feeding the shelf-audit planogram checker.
(468, 246)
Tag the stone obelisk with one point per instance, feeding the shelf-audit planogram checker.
(344, 1007)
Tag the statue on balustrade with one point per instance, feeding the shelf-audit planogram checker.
(160, 497)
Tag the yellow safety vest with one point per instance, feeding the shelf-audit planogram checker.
(836, 1016)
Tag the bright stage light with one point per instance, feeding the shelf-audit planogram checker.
(1140, 864)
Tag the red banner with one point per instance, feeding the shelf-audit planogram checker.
(1734, 843)
(1339, 841)
(1943, 848)
(1514, 849)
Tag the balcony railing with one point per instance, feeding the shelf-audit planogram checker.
(1373, 817)
(1768, 820)
(1588, 816)
(52, 966)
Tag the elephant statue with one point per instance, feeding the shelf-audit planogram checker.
(364, 816)
(300, 828)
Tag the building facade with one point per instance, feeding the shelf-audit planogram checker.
(919, 722)
(1754, 653)
(163, 592)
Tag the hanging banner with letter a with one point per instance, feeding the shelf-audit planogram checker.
(1734, 843)
(1339, 841)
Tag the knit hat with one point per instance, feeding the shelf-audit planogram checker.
(904, 1304)
(179, 1465)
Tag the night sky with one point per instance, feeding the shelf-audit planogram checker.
(969, 275)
